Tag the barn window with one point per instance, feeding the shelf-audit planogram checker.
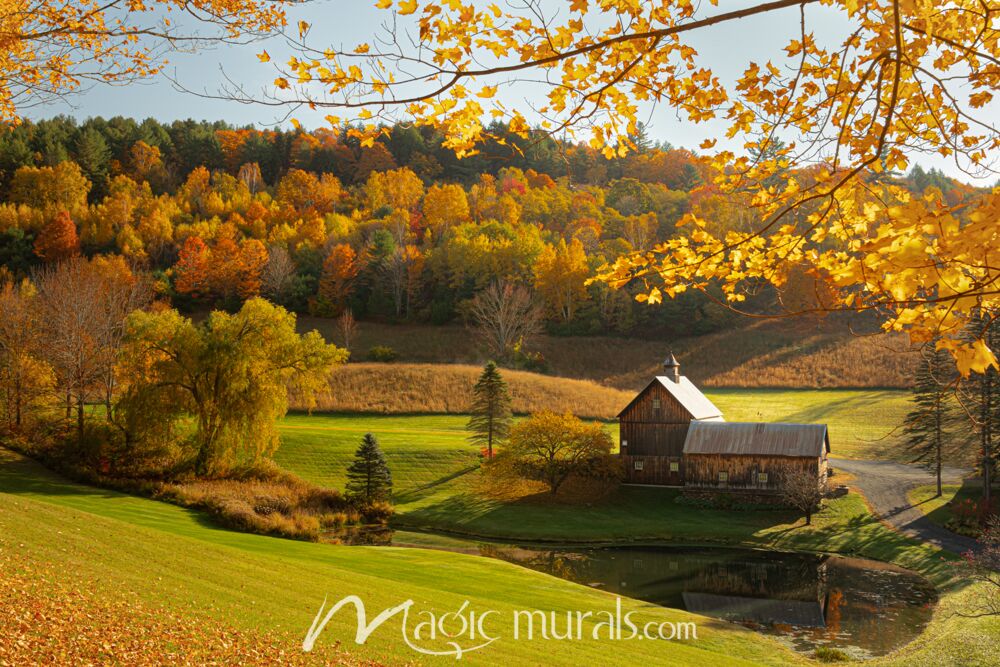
(724, 476)
(675, 466)
(638, 465)
(624, 443)
(762, 477)
(656, 404)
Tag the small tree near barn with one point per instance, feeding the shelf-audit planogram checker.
(800, 489)
(368, 477)
(491, 414)
(552, 448)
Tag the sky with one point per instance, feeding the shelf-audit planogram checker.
(726, 49)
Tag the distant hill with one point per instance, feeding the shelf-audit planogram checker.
(769, 353)
(445, 388)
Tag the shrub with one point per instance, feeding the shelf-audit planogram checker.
(382, 353)
(827, 654)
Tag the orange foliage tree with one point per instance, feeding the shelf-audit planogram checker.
(340, 268)
(58, 240)
(191, 272)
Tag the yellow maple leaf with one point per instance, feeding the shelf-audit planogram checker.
(407, 6)
(264, 57)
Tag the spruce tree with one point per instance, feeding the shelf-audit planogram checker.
(368, 477)
(983, 399)
(932, 424)
(491, 414)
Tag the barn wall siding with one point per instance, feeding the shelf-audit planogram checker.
(702, 471)
(653, 439)
(655, 470)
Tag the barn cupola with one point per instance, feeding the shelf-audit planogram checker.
(672, 368)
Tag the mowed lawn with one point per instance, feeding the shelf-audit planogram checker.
(864, 423)
(421, 450)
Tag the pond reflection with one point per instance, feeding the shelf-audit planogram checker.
(862, 607)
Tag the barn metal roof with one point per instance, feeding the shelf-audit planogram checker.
(801, 613)
(688, 395)
(713, 437)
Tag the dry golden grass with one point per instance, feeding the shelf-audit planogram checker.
(445, 388)
(284, 506)
(770, 353)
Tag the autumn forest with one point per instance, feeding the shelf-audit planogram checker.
(399, 230)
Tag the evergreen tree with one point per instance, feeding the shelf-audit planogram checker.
(932, 424)
(368, 477)
(94, 157)
(491, 414)
(983, 392)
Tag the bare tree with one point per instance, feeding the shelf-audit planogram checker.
(506, 315)
(278, 273)
(801, 489)
(82, 312)
(347, 326)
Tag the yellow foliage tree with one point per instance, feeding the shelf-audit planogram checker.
(561, 275)
(445, 206)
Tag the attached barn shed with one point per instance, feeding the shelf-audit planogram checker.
(753, 457)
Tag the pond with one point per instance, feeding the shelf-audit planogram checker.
(865, 608)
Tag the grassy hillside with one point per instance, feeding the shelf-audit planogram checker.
(446, 388)
(764, 354)
(129, 548)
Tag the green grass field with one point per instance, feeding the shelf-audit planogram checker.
(422, 449)
(864, 423)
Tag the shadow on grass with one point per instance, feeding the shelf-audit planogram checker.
(414, 494)
(971, 489)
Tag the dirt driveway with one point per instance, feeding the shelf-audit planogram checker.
(885, 485)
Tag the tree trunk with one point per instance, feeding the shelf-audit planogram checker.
(79, 420)
(937, 442)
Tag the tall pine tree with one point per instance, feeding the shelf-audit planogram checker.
(368, 477)
(491, 413)
(982, 392)
(932, 425)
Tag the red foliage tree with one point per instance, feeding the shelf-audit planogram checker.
(58, 240)
(192, 273)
